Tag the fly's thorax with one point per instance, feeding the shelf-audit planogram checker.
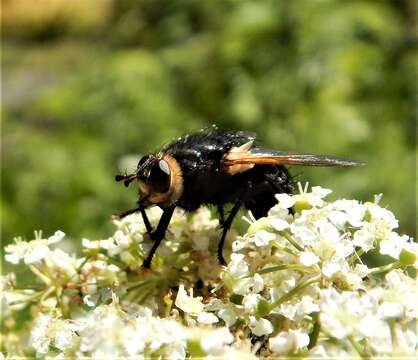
(160, 180)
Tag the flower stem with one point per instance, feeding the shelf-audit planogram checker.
(296, 267)
(40, 274)
(313, 336)
(283, 248)
(291, 240)
(385, 268)
(297, 289)
(357, 347)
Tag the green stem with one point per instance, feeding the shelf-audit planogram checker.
(385, 268)
(297, 289)
(313, 336)
(137, 285)
(296, 267)
(283, 248)
(40, 274)
(357, 347)
(289, 238)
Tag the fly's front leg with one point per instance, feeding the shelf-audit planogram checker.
(146, 221)
(221, 215)
(159, 234)
(126, 213)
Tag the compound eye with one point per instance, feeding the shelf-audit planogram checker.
(142, 161)
(160, 176)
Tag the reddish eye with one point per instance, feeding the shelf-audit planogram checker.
(160, 176)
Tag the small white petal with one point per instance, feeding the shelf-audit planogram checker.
(389, 309)
(288, 342)
(214, 343)
(36, 254)
(207, 318)
(363, 239)
(261, 326)
(308, 258)
(279, 224)
(228, 315)
(188, 304)
(285, 200)
(57, 237)
(394, 245)
(263, 238)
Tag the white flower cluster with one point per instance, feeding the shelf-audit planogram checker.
(296, 284)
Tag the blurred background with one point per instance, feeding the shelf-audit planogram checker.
(90, 85)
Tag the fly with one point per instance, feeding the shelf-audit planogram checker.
(215, 167)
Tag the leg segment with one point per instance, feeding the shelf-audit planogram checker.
(126, 213)
(159, 234)
(145, 219)
(221, 215)
(226, 225)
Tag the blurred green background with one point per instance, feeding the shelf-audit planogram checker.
(90, 85)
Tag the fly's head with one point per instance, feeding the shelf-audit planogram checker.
(159, 179)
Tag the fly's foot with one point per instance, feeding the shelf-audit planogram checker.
(221, 258)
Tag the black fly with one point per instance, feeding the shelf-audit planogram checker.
(215, 167)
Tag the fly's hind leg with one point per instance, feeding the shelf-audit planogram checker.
(225, 227)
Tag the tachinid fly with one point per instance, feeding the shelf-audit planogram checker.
(215, 167)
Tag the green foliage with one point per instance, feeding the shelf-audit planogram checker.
(308, 76)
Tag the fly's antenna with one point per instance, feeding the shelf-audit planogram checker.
(127, 179)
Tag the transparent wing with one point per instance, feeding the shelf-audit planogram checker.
(263, 156)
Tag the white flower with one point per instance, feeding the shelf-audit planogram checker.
(237, 267)
(390, 309)
(302, 234)
(48, 330)
(61, 264)
(308, 258)
(335, 265)
(263, 237)
(279, 224)
(260, 326)
(394, 245)
(338, 312)
(214, 343)
(306, 306)
(382, 216)
(377, 331)
(363, 239)
(30, 252)
(338, 218)
(288, 342)
(228, 315)
(352, 208)
(250, 302)
(207, 318)
(39, 336)
(248, 285)
(285, 200)
(188, 304)
(57, 237)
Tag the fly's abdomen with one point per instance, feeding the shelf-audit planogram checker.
(266, 181)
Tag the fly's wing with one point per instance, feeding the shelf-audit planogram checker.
(243, 158)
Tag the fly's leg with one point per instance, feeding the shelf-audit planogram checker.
(226, 226)
(146, 221)
(126, 213)
(221, 215)
(144, 217)
(158, 234)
